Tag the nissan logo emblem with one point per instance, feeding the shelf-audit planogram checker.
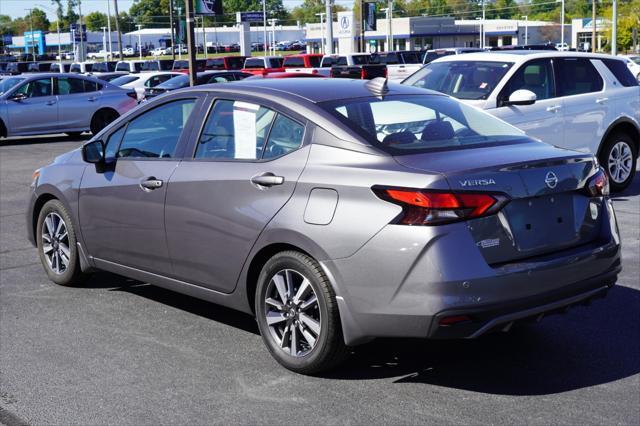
(551, 180)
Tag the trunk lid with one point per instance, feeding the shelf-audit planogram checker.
(548, 210)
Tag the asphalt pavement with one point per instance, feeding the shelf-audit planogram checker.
(122, 352)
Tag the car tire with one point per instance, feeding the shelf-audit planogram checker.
(102, 119)
(57, 242)
(307, 321)
(618, 158)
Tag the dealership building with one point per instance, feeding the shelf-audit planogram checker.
(423, 32)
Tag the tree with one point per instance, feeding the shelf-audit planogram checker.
(306, 12)
(275, 8)
(95, 21)
(628, 18)
(39, 19)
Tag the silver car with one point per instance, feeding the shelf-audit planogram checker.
(335, 211)
(59, 103)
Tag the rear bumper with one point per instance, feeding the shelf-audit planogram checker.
(501, 317)
(406, 279)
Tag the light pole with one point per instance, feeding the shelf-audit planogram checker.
(264, 25)
(139, 40)
(33, 52)
(115, 5)
(328, 44)
(180, 27)
(83, 33)
(614, 28)
(321, 15)
(484, 10)
(388, 12)
(480, 32)
(561, 24)
(173, 36)
(526, 29)
(273, 34)
(104, 43)
(109, 29)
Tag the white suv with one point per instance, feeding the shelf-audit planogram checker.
(580, 101)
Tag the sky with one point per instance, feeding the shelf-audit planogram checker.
(16, 8)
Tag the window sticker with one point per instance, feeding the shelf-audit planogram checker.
(244, 124)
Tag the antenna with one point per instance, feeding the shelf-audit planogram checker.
(378, 86)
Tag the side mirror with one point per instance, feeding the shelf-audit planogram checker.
(521, 97)
(93, 152)
(18, 97)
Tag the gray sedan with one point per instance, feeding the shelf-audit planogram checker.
(335, 211)
(59, 103)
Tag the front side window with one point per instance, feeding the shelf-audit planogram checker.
(408, 124)
(461, 79)
(8, 82)
(36, 88)
(155, 133)
(535, 76)
(577, 76)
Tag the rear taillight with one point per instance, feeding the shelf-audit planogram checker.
(363, 74)
(132, 95)
(424, 207)
(386, 72)
(598, 184)
(331, 73)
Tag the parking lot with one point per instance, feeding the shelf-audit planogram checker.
(121, 351)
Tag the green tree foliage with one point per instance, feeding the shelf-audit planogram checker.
(306, 12)
(95, 21)
(628, 18)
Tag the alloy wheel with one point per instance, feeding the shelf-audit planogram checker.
(292, 312)
(55, 243)
(620, 161)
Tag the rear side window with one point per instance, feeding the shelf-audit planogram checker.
(535, 76)
(620, 70)
(277, 62)
(235, 63)
(576, 76)
(314, 61)
(122, 66)
(155, 133)
(75, 68)
(285, 136)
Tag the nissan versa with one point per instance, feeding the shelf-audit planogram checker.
(335, 211)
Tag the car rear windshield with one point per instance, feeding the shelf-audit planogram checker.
(235, 63)
(125, 79)
(175, 83)
(294, 61)
(406, 124)
(461, 79)
(254, 63)
(8, 82)
(361, 59)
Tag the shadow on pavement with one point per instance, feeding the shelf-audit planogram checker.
(588, 346)
(180, 301)
(35, 140)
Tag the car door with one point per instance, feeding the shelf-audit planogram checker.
(38, 111)
(586, 106)
(78, 100)
(247, 161)
(122, 208)
(545, 118)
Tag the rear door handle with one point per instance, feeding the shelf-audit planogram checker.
(51, 102)
(554, 108)
(601, 100)
(267, 179)
(150, 184)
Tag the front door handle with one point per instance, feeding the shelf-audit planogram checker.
(150, 184)
(51, 103)
(601, 100)
(554, 108)
(267, 179)
(92, 99)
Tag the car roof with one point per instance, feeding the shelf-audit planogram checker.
(314, 90)
(519, 56)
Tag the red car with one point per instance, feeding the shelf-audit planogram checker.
(303, 63)
(283, 75)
